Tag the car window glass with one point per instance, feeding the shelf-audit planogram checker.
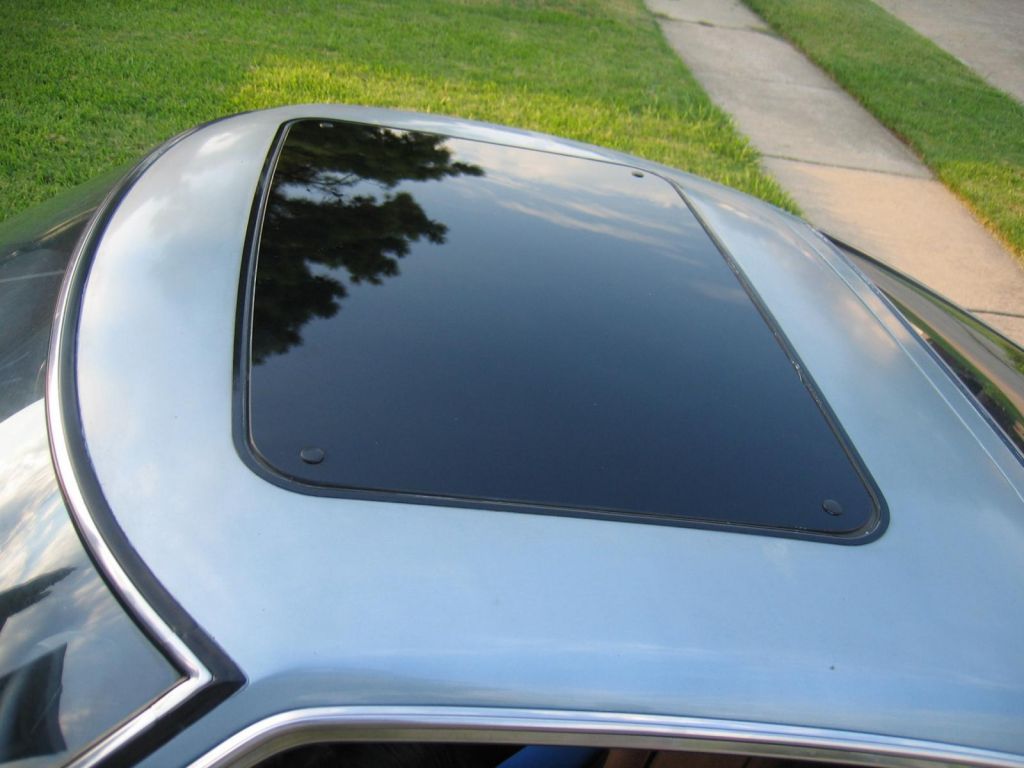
(73, 663)
(35, 247)
(441, 755)
(456, 322)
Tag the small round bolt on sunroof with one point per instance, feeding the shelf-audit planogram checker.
(638, 174)
(312, 455)
(833, 507)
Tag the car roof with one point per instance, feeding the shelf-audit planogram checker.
(348, 601)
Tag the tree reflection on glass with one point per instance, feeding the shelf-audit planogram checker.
(25, 595)
(30, 694)
(333, 209)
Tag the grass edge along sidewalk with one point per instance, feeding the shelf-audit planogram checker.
(969, 133)
(83, 90)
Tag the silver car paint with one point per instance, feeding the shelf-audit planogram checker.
(329, 602)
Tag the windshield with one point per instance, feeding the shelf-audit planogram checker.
(35, 247)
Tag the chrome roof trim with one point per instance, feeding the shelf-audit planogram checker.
(308, 726)
(839, 249)
(61, 397)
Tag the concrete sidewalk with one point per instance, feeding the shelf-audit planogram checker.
(850, 176)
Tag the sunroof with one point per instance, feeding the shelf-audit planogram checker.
(456, 322)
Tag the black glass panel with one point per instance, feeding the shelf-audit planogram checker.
(461, 320)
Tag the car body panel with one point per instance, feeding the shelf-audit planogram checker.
(342, 602)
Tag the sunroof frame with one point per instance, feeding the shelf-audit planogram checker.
(873, 528)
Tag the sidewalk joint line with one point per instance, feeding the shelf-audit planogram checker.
(824, 88)
(712, 25)
(848, 167)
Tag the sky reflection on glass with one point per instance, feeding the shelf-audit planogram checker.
(72, 664)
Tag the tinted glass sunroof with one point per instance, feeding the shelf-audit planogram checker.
(458, 322)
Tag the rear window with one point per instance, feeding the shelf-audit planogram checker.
(454, 322)
(35, 247)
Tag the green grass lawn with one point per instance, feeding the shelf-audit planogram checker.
(970, 134)
(85, 86)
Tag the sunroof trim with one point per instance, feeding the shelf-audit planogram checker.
(256, 460)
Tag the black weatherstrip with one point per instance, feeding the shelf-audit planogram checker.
(880, 522)
(226, 677)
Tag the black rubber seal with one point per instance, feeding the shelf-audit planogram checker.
(226, 676)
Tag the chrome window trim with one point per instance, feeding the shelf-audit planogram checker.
(140, 722)
(61, 394)
(846, 251)
(295, 728)
(196, 675)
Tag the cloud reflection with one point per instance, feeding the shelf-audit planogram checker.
(64, 635)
